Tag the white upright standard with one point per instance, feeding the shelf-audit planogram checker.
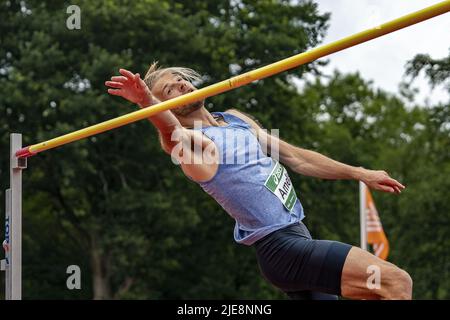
(12, 264)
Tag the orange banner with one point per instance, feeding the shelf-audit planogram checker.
(374, 228)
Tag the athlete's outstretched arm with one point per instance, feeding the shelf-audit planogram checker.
(175, 140)
(132, 88)
(311, 163)
(314, 164)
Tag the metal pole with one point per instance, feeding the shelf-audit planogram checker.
(362, 215)
(13, 223)
(5, 265)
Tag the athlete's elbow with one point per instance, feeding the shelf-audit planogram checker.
(290, 158)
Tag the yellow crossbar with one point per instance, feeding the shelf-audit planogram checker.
(243, 79)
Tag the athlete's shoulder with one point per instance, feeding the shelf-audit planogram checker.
(248, 118)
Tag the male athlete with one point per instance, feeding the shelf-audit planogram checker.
(256, 190)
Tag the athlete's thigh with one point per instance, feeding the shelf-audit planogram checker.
(358, 268)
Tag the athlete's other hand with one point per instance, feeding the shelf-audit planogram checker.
(380, 180)
(132, 88)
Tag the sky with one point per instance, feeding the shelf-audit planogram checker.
(383, 60)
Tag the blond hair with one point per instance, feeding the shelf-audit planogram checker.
(155, 72)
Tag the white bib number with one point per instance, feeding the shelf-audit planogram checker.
(280, 185)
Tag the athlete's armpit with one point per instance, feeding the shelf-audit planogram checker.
(239, 113)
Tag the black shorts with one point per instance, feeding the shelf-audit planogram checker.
(302, 267)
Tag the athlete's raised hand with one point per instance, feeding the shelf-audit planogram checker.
(380, 180)
(132, 88)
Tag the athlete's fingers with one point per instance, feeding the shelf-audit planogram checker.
(127, 74)
(119, 79)
(114, 84)
(385, 188)
(142, 83)
(137, 81)
(393, 182)
(115, 92)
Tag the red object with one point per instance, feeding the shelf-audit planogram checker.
(25, 153)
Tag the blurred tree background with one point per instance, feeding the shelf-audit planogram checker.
(130, 219)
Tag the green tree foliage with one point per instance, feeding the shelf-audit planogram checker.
(436, 70)
(430, 149)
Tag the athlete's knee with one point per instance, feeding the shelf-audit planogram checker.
(397, 285)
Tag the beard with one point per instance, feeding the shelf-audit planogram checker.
(189, 108)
